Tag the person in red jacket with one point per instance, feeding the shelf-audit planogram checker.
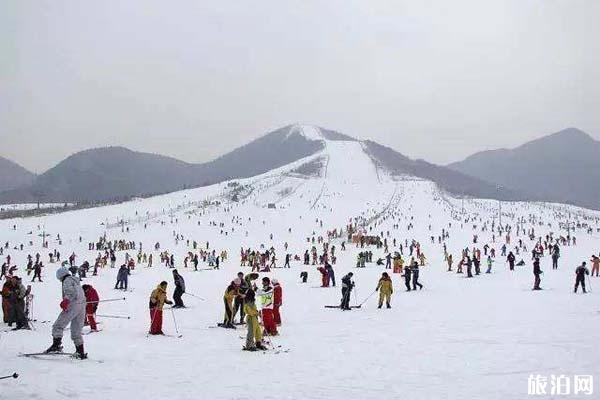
(91, 305)
(324, 277)
(277, 301)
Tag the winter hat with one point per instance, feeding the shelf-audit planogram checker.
(62, 273)
(275, 282)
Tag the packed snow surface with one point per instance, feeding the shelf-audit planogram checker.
(457, 338)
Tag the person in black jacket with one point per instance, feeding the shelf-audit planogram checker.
(122, 277)
(330, 273)
(469, 265)
(347, 286)
(555, 256)
(414, 269)
(511, 260)
(238, 303)
(476, 263)
(537, 272)
(179, 290)
(407, 276)
(580, 273)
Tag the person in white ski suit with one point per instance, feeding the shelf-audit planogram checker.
(73, 312)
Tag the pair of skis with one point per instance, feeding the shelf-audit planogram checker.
(40, 356)
(339, 307)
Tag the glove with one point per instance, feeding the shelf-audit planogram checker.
(64, 304)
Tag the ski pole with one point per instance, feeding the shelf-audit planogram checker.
(365, 300)
(114, 316)
(174, 320)
(15, 376)
(107, 300)
(197, 297)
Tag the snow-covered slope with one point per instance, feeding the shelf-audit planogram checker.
(457, 338)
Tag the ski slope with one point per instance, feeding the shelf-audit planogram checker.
(457, 338)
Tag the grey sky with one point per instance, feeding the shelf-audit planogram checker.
(194, 79)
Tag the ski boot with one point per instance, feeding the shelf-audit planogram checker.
(79, 353)
(260, 346)
(245, 348)
(56, 346)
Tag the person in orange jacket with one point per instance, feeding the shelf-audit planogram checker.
(277, 301)
(158, 299)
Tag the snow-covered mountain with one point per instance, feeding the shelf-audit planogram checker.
(12, 175)
(116, 173)
(560, 167)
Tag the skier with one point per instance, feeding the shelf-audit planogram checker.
(179, 289)
(324, 276)
(385, 290)
(17, 303)
(407, 277)
(595, 265)
(37, 271)
(238, 304)
(230, 294)
(415, 276)
(469, 265)
(555, 256)
(330, 274)
(580, 273)
(158, 298)
(266, 300)
(511, 261)
(254, 335)
(122, 277)
(347, 286)
(489, 265)
(277, 301)
(537, 272)
(73, 312)
(6, 290)
(91, 306)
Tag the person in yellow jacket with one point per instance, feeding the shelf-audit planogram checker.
(422, 259)
(385, 290)
(254, 335)
(158, 298)
(231, 293)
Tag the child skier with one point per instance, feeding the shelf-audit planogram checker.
(91, 305)
(254, 335)
(266, 300)
(158, 298)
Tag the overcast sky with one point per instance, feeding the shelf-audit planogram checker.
(195, 79)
